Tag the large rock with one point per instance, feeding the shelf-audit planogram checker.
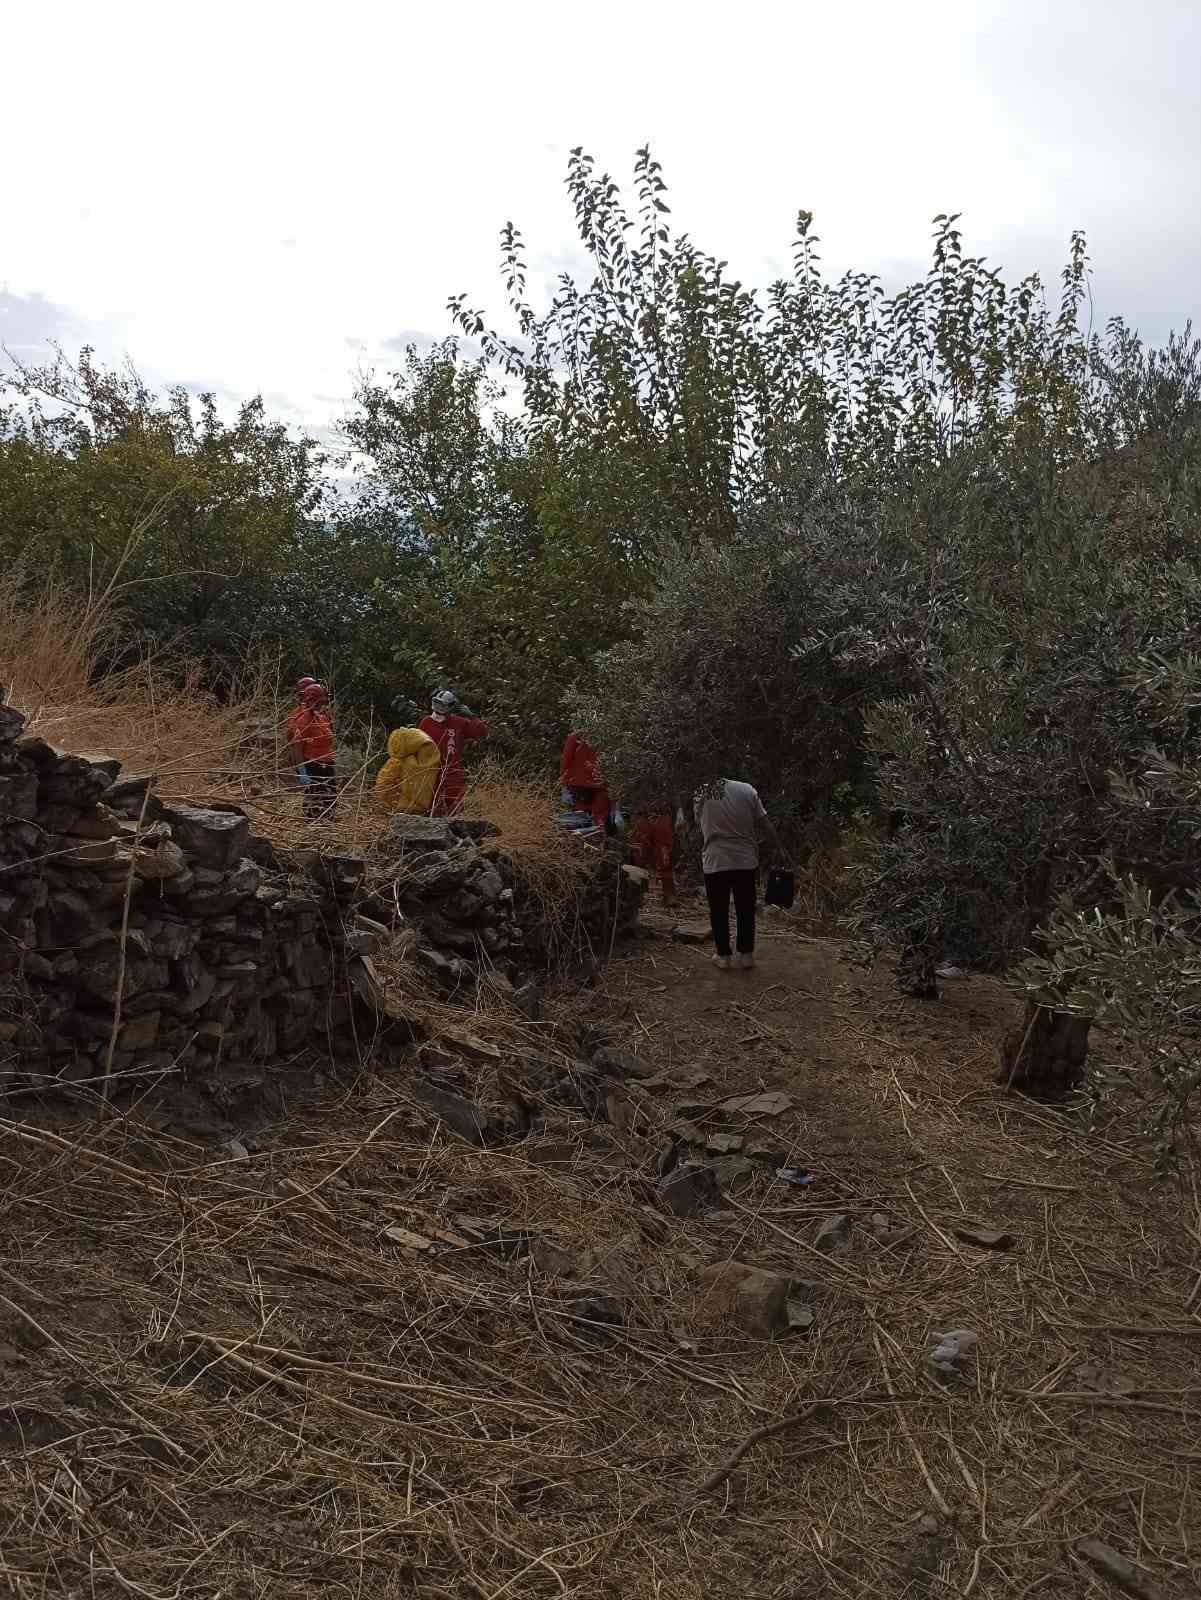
(448, 970)
(211, 838)
(107, 767)
(834, 1235)
(460, 1115)
(162, 860)
(11, 723)
(18, 795)
(131, 796)
(688, 1190)
(70, 918)
(750, 1297)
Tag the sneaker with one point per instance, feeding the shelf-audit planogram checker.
(948, 969)
(723, 962)
(745, 961)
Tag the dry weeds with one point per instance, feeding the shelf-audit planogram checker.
(239, 1385)
(157, 716)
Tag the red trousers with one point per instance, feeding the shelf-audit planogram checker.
(448, 794)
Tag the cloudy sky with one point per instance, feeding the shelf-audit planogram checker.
(262, 197)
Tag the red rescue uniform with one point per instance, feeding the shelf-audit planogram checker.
(450, 734)
(310, 731)
(651, 847)
(579, 771)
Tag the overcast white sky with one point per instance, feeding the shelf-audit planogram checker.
(260, 196)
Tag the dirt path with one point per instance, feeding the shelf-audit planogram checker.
(896, 1115)
(358, 1355)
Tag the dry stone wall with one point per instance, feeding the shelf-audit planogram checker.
(138, 937)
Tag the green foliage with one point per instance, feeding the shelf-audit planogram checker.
(88, 455)
(709, 394)
(513, 587)
(927, 554)
(711, 681)
(221, 540)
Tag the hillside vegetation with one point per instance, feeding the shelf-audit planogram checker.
(925, 555)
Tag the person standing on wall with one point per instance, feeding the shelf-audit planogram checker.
(580, 777)
(450, 725)
(731, 817)
(311, 750)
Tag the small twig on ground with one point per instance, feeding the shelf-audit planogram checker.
(935, 1492)
(719, 1474)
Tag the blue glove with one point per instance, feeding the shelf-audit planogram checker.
(566, 796)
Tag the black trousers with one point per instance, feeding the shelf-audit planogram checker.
(719, 886)
(320, 793)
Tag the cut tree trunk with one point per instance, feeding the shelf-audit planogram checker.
(1045, 1055)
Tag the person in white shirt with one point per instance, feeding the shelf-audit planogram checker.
(731, 816)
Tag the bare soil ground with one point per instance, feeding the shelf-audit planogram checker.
(221, 1376)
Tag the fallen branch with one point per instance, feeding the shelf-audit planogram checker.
(768, 1431)
(935, 1492)
(1129, 1578)
(817, 1409)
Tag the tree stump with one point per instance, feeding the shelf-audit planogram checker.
(1045, 1055)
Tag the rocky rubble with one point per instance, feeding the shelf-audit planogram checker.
(457, 897)
(138, 937)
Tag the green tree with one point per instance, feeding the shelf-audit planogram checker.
(512, 583)
(89, 455)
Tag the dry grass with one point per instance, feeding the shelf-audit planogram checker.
(242, 1387)
(220, 1379)
(157, 716)
(154, 716)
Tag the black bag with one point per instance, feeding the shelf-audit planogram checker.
(781, 888)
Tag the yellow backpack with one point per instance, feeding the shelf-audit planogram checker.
(406, 780)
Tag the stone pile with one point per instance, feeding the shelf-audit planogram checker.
(465, 904)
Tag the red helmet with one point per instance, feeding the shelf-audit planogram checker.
(303, 683)
(315, 692)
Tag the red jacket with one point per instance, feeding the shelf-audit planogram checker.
(450, 735)
(579, 765)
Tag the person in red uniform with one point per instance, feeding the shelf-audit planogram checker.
(651, 845)
(311, 744)
(450, 730)
(579, 771)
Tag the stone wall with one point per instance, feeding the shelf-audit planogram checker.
(138, 937)
(219, 946)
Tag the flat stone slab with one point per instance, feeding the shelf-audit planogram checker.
(426, 833)
(213, 838)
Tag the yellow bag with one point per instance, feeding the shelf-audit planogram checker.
(406, 780)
